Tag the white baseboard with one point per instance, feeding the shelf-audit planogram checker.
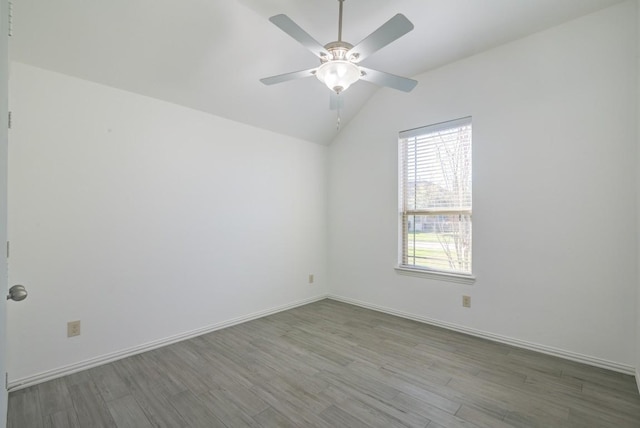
(27, 381)
(556, 352)
(107, 358)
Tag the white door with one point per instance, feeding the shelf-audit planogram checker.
(4, 77)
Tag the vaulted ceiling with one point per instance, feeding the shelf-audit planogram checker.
(210, 54)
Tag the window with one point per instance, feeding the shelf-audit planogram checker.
(435, 198)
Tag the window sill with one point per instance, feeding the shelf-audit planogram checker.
(441, 276)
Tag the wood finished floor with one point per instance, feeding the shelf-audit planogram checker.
(329, 364)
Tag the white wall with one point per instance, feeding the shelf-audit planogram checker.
(146, 220)
(554, 191)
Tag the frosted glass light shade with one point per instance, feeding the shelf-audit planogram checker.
(338, 75)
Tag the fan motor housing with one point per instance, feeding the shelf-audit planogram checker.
(338, 51)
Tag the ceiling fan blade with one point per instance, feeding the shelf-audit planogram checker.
(336, 102)
(288, 76)
(287, 25)
(389, 80)
(391, 30)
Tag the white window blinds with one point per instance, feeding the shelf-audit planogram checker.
(435, 197)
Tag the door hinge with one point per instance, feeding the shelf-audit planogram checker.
(9, 121)
(6, 381)
(8, 249)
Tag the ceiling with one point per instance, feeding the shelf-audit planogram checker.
(210, 54)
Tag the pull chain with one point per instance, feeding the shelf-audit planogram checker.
(338, 110)
(10, 18)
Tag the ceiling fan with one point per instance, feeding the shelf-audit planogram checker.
(339, 61)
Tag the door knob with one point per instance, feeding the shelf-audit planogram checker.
(17, 293)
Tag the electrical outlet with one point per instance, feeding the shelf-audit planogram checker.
(73, 328)
(310, 278)
(466, 301)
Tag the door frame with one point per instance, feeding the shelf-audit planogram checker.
(4, 94)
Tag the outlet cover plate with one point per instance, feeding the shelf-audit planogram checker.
(466, 301)
(73, 328)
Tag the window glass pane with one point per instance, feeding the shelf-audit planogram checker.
(441, 242)
(438, 170)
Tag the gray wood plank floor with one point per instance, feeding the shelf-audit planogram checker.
(329, 364)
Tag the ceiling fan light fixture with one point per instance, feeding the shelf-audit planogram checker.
(338, 75)
(339, 60)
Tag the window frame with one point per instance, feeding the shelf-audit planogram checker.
(403, 214)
